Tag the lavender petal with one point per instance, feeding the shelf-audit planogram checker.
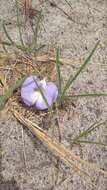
(52, 90)
(41, 105)
(27, 90)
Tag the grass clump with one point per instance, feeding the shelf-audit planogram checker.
(31, 48)
(63, 90)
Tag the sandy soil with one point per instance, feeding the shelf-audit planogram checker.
(75, 37)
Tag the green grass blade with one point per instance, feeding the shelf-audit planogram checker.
(12, 43)
(6, 43)
(24, 49)
(68, 3)
(8, 93)
(18, 23)
(86, 132)
(7, 35)
(58, 72)
(90, 142)
(72, 79)
(35, 32)
(91, 95)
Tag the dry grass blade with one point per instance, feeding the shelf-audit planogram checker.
(47, 140)
(27, 4)
(45, 58)
(3, 80)
(65, 154)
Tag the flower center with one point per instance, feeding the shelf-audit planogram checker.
(36, 96)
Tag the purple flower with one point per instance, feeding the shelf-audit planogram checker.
(32, 96)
